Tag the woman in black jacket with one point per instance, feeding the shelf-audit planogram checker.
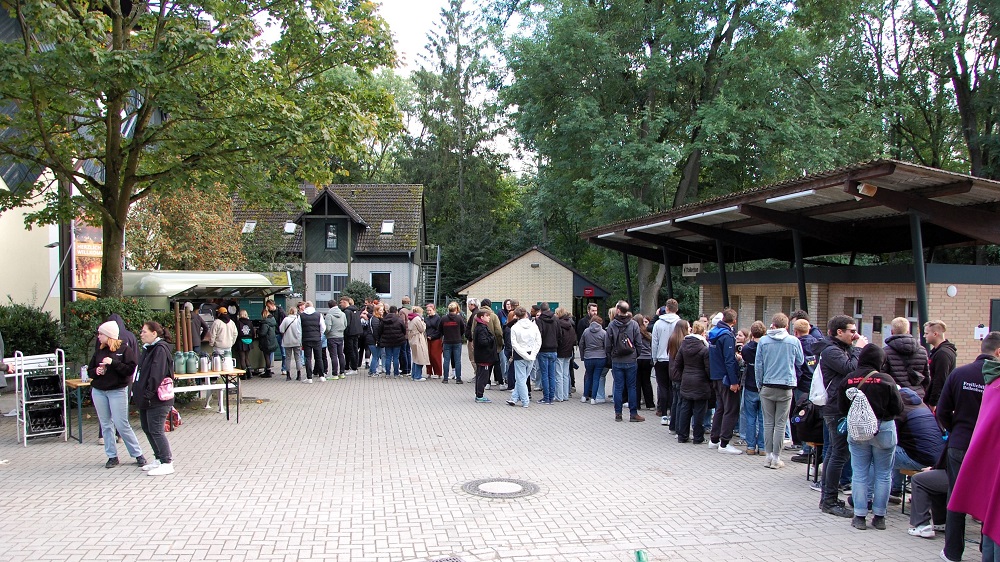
(691, 363)
(392, 338)
(111, 369)
(871, 460)
(267, 340)
(244, 342)
(155, 365)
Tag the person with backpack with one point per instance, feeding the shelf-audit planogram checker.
(725, 375)
(871, 402)
(621, 345)
(244, 343)
(484, 351)
(804, 375)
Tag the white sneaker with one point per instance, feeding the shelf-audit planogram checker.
(731, 450)
(323, 379)
(151, 465)
(664, 420)
(583, 399)
(600, 401)
(100, 440)
(162, 470)
(487, 386)
(307, 381)
(713, 445)
(925, 531)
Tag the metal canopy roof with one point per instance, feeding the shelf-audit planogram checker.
(195, 285)
(864, 208)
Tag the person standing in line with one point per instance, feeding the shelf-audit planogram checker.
(668, 398)
(751, 413)
(977, 488)
(291, 339)
(565, 345)
(392, 337)
(452, 326)
(111, 370)
(547, 354)
(942, 359)
(872, 459)
(906, 359)
(155, 365)
(278, 314)
(777, 354)
(472, 306)
(594, 358)
(690, 365)
(485, 352)
(838, 357)
(224, 332)
(725, 375)
(199, 328)
(244, 342)
(416, 335)
(374, 329)
(620, 345)
(525, 341)
(499, 369)
(435, 342)
(336, 326)
(958, 412)
(351, 335)
(313, 326)
(267, 341)
(644, 364)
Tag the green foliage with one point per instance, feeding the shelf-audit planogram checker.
(359, 291)
(84, 316)
(186, 96)
(28, 329)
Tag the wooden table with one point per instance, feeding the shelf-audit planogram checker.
(228, 378)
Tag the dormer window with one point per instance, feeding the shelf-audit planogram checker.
(388, 227)
(249, 227)
(289, 228)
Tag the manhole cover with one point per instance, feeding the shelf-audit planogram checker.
(501, 488)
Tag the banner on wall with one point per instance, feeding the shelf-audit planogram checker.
(87, 258)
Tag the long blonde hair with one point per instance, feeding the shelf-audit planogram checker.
(113, 344)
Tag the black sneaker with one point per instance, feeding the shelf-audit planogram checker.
(859, 523)
(895, 499)
(838, 510)
(112, 462)
(141, 461)
(878, 522)
(802, 458)
(459, 381)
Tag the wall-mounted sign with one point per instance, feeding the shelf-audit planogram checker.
(588, 291)
(690, 269)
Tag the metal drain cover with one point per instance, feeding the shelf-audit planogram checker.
(500, 488)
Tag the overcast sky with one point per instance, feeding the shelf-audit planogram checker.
(410, 20)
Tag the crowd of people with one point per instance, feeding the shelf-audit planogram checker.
(875, 411)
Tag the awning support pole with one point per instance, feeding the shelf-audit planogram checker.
(723, 283)
(800, 270)
(628, 279)
(919, 272)
(669, 280)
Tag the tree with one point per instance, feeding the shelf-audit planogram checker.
(184, 229)
(122, 103)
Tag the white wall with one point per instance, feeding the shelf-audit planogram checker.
(29, 267)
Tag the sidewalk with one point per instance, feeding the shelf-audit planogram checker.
(366, 469)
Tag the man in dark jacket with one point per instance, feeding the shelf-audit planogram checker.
(919, 439)
(838, 357)
(279, 316)
(351, 334)
(584, 322)
(725, 375)
(546, 323)
(957, 412)
(803, 315)
(620, 345)
(942, 359)
(906, 359)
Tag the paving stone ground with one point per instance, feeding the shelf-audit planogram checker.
(366, 469)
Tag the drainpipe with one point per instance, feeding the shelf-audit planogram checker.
(409, 269)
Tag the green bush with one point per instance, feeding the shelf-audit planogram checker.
(84, 316)
(359, 291)
(27, 329)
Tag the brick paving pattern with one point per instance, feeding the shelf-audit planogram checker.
(366, 469)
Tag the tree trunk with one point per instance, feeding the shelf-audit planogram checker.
(650, 276)
(111, 258)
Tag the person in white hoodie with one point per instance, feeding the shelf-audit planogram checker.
(291, 340)
(667, 393)
(774, 367)
(525, 341)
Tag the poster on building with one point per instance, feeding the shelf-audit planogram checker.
(87, 259)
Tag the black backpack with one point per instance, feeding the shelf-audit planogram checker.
(621, 345)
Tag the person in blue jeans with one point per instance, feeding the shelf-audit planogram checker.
(883, 396)
(549, 331)
(525, 340)
(751, 413)
(592, 353)
(620, 345)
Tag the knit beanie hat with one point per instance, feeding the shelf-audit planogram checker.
(109, 329)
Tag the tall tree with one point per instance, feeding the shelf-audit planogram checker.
(124, 99)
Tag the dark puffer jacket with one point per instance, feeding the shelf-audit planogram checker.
(917, 430)
(547, 326)
(693, 364)
(907, 363)
(393, 331)
(567, 337)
